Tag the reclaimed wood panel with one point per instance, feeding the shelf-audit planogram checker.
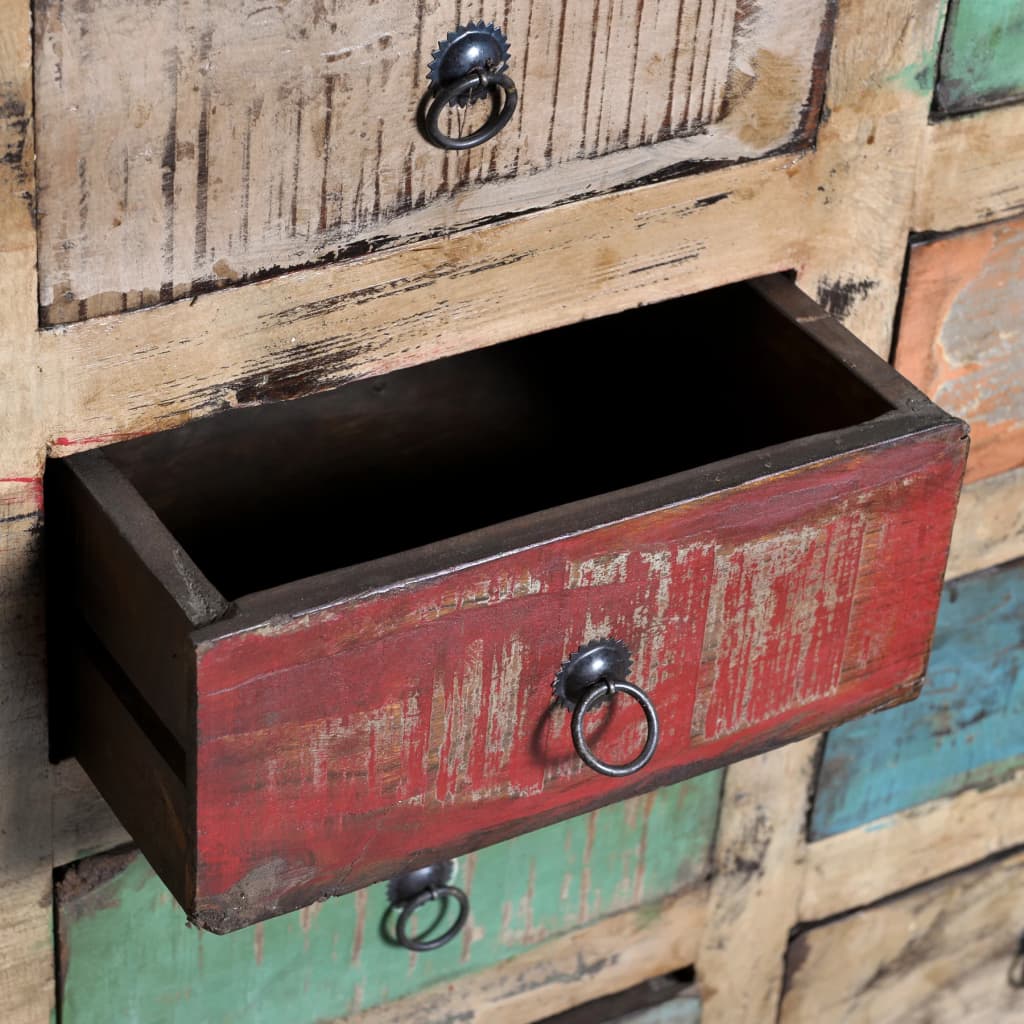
(167, 167)
(940, 955)
(961, 337)
(731, 673)
(868, 863)
(989, 526)
(972, 171)
(965, 728)
(982, 62)
(126, 953)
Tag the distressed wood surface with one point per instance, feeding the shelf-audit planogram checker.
(972, 171)
(719, 663)
(838, 213)
(314, 329)
(125, 953)
(961, 337)
(941, 954)
(26, 975)
(756, 885)
(83, 823)
(167, 168)
(662, 1000)
(963, 731)
(989, 526)
(982, 62)
(26, 964)
(866, 864)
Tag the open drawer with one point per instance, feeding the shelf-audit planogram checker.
(303, 647)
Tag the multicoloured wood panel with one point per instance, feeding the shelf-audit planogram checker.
(966, 729)
(126, 953)
(982, 62)
(757, 615)
(944, 953)
(961, 335)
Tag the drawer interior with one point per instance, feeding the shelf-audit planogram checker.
(262, 496)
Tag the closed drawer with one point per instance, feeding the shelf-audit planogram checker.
(964, 731)
(763, 524)
(555, 905)
(980, 64)
(940, 954)
(168, 166)
(961, 336)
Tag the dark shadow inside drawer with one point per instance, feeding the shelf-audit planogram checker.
(263, 496)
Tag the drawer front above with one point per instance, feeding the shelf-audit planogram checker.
(339, 627)
(186, 145)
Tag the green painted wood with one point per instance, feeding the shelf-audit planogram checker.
(966, 729)
(126, 954)
(982, 60)
(682, 1010)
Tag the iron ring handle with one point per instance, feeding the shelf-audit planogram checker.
(500, 115)
(609, 688)
(410, 908)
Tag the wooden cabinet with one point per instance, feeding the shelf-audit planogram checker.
(210, 211)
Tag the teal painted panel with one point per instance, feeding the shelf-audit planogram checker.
(127, 955)
(982, 61)
(966, 729)
(682, 1010)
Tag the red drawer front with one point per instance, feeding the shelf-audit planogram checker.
(336, 748)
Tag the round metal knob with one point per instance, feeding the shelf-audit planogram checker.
(468, 65)
(595, 674)
(409, 892)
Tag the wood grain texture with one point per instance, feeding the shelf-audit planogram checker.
(972, 171)
(83, 823)
(314, 329)
(26, 963)
(939, 955)
(989, 526)
(724, 628)
(167, 168)
(837, 214)
(126, 954)
(853, 869)
(756, 885)
(982, 63)
(963, 731)
(961, 337)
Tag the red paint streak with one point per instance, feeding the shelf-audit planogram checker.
(96, 439)
(756, 615)
(35, 484)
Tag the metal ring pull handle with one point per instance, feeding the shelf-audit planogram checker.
(590, 698)
(409, 892)
(469, 65)
(596, 673)
(410, 908)
(500, 114)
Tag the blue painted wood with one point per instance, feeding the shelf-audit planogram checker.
(965, 730)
